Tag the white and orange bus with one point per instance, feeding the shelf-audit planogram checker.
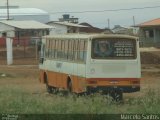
(83, 63)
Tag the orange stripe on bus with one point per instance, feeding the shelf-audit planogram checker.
(113, 81)
(59, 80)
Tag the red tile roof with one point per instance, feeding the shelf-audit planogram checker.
(91, 29)
(155, 22)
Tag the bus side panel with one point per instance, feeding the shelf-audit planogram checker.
(41, 77)
(56, 79)
(61, 80)
(52, 78)
(78, 77)
(74, 83)
(82, 84)
(78, 84)
(64, 81)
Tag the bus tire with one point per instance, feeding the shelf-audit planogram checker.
(48, 87)
(117, 95)
(54, 90)
(70, 86)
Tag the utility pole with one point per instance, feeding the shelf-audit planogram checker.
(134, 21)
(7, 10)
(108, 23)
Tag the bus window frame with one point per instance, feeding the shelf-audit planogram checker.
(70, 47)
(114, 58)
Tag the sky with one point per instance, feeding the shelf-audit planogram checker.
(56, 8)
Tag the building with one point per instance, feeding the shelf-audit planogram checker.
(124, 30)
(16, 13)
(21, 38)
(149, 33)
(91, 29)
(22, 32)
(64, 27)
(67, 18)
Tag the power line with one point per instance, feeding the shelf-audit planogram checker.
(7, 10)
(109, 10)
(93, 11)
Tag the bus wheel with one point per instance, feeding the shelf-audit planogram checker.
(117, 95)
(70, 86)
(48, 87)
(54, 90)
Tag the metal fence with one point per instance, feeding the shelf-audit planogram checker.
(25, 50)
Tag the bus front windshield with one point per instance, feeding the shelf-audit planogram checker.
(116, 48)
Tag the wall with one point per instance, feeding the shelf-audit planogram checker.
(4, 27)
(146, 40)
(157, 35)
(59, 29)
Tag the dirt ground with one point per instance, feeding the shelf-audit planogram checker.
(23, 76)
(27, 78)
(21, 56)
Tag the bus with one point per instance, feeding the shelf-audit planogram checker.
(87, 63)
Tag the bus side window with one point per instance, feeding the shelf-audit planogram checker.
(82, 50)
(47, 50)
(65, 49)
(70, 50)
(59, 49)
(53, 46)
(50, 48)
(68, 53)
(73, 43)
(55, 49)
(42, 54)
(85, 51)
(76, 50)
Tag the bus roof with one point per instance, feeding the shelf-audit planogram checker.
(89, 36)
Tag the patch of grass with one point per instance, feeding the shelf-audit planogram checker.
(147, 104)
(15, 100)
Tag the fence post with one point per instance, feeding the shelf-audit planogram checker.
(9, 42)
